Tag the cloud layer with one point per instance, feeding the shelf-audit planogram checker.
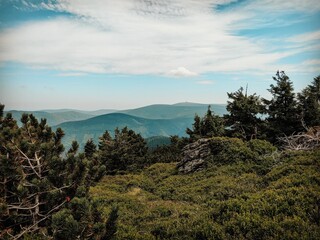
(163, 37)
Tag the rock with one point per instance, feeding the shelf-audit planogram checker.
(194, 156)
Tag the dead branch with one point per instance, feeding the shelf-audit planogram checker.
(302, 141)
(28, 229)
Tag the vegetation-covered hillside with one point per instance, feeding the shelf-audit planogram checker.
(232, 201)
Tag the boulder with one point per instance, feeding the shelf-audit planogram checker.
(194, 156)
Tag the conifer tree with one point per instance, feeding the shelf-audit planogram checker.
(195, 133)
(30, 172)
(309, 103)
(283, 114)
(126, 151)
(90, 148)
(244, 115)
(209, 126)
(96, 170)
(38, 187)
(212, 125)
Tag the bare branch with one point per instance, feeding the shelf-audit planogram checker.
(39, 221)
(29, 161)
(302, 141)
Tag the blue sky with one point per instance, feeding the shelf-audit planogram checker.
(127, 53)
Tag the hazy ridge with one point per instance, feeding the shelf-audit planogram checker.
(150, 121)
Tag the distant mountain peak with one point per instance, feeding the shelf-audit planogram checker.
(190, 104)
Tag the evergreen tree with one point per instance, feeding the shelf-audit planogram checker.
(168, 153)
(243, 119)
(195, 133)
(283, 114)
(96, 170)
(309, 103)
(111, 224)
(210, 125)
(126, 151)
(37, 185)
(90, 148)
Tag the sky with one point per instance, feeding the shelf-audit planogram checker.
(121, 54)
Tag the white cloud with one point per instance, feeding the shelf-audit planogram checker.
(182, 72)
(71, 74)
(205, 82)
(143, 37)
(302, 38)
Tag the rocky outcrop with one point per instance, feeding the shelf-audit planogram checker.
(194, 156)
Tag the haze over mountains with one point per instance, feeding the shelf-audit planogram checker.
(150, 121)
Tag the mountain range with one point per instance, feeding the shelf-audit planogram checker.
(150, 121)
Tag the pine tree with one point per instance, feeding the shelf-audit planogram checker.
(90, 148)
(96, 170)
(283, 114)
(30, 159)
(309, 103)
(36, 183)
(126, 151)
(244, 118)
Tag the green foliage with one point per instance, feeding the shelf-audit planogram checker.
(283, 113)
(64, 225)
(261, 147)
(167, 153)
(209, 126)
(111, 224)
(309, 103)
(126, 151)
(157, 141)
(230, 201)
(42, 194)
(229, 150)
(243, 118)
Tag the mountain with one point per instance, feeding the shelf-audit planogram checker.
(191, 104)
(57, 116)
(92, 113)
(150, 121)
(54, 117)
(180, 110)
(96, 126)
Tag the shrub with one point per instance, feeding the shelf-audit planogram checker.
(229, 150)
(261, 147)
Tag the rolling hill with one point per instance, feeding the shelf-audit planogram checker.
(96, 126)
(57, 116)
(179, 110)
(150, 121)
(53, 117)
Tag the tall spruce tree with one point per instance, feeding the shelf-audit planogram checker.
(283, 113)
(244, 118)
(309, 103)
